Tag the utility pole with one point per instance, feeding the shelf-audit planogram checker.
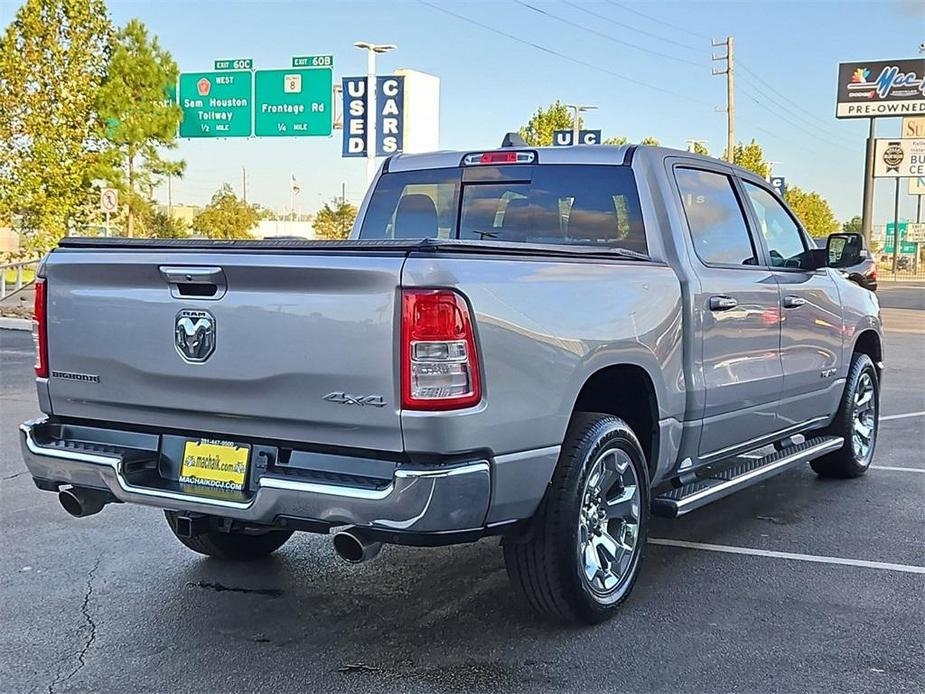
(729, 71)
(372, 112)
(577, 110)
(244, 183)
(867, 205)
(169, 196)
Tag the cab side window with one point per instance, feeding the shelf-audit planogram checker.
(782, 235)
(716, 220)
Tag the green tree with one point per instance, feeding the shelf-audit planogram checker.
(139, 120)
(751, 157)
(53, 58)
(616, 141)
(539, 129)
(649, 141)
(812, 209)
(700, 148)
(853, 225)
(226, 217)
(335, 219)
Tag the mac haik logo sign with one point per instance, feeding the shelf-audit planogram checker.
(881, 88)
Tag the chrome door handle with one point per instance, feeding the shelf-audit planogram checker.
(791, 301)
(722, 303)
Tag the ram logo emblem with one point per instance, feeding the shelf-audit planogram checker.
(194, 335)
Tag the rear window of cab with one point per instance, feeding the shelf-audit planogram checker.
(586, 205)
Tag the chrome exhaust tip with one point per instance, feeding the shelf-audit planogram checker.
(81, 502)
(352, 546)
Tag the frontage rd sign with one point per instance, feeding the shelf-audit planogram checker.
(882, 88)
(295, 101)
(216, 104)
(899, 157)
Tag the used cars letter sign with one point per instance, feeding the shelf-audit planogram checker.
(881, 88)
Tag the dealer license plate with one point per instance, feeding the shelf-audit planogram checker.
(216, 464)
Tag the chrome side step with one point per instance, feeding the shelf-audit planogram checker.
(743, 473)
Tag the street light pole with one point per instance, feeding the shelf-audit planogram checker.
(372, 112)
(577, 110)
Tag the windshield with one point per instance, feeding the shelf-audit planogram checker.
(552, 204)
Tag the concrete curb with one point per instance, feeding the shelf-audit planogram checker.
(15, 324)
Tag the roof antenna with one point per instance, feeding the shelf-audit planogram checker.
(513, 140)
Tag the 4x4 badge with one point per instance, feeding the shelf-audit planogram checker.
(361, 400)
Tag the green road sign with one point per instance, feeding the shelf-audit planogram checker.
(294, 102)
(235, 64)
(905, 247)
(313, 61)
(216, 104)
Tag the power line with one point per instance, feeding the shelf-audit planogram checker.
(799, 126)
(790, 101)
(658, 20)
(563, 56)
(608, 37)
(610, 20)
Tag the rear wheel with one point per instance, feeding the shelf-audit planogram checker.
(238, 546)
(583, 555)
(857, 422)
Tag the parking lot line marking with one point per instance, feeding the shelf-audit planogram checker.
(902, 416)
(905, 568)
(897, 469)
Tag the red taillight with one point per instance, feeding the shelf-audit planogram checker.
(439, 363)
(40, 329)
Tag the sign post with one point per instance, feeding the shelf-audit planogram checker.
(109, 203)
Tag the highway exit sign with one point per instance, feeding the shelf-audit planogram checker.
(313, 61)
(216, 104)
(235, 64)
(293, 102)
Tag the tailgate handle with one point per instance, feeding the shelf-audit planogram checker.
(198, 282)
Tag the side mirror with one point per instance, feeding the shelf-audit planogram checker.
(844, 250)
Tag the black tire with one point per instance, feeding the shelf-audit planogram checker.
(852, 460)
(545, 565)
(240, 546)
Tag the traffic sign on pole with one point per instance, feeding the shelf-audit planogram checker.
(109, 200)
(295, 101)
(216, 104)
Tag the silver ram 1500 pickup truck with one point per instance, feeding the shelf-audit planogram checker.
(545, 345)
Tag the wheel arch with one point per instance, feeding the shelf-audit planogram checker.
(629, 392)
(868, 342)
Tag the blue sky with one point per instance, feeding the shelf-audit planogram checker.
(492, 84)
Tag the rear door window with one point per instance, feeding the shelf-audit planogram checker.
(413, 205)
(559, 204)
(715, 217)
(552, 204)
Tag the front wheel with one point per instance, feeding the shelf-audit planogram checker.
(584, 552)
(857, 422)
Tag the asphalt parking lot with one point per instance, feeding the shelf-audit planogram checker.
(796, 585)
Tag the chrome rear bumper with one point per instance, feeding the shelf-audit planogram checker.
(437, 499)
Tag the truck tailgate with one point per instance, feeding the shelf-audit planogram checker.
(303, 351)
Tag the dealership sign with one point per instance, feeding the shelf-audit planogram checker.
(390, 105)
(881, 88)
(899, 157)
(563, 138)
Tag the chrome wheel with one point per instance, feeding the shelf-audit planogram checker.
(864, 418)
(608, 524)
